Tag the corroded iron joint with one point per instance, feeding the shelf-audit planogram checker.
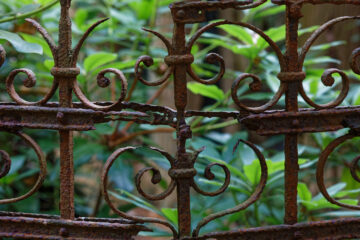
(185, 131)
(65, 72)
(182, 173)
(171, 60)
(291, 76)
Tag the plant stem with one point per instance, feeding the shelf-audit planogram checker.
(28, 14)
(212, 107)
(136, 134)
(215, 126)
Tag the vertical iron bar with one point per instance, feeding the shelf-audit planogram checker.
(183, 132)
(65, 98)
(291, 98)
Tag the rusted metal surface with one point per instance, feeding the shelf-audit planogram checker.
(321, 230)
(66, 116)
(30, 226)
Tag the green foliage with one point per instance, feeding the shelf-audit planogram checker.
(117, 43)
(210, 91)
(19, 44)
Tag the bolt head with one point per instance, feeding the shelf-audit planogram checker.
(180, 14)
(63, 232)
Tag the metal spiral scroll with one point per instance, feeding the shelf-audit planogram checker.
(256, 84)
(155, 179)
(321, 167)
(210, 176)
(253, 198)
(6, 165)
(31, 78)
(174, 173)
(149, 61)
(327, 78)
(103, 82)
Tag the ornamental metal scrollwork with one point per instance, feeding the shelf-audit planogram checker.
(176, 174)
(149, 61)
(321, 168)
(6, 165)
(155, 180)
(66, 116)
(253, 198)
(30, 81)
(327, 79)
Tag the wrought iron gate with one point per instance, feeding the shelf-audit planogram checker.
(67, 116)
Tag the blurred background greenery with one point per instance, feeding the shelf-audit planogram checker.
(117, 44)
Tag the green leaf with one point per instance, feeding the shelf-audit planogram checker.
(276, 34)
(232, 169)
(19, 44)
(270, 11)
(144, 9)
(80, 18)
(98, 59)
(130, 198)
(125, 17)
(38, 40)
(171, 214)
(303, 192)
(308, 30)
(325, 46)
(253, 172)
(27, 8)
(118, 65)
(210, 91)
(321, 60)
(276, 166)
(323, 204)
(239, 32)
(341, 214)
(49, 64)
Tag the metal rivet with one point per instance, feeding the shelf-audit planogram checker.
(298, 235)
(295, 123)
(63, 232)
(180, 14)
(60, 117)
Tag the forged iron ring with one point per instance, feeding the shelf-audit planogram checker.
(65, 72)
(179, 59)
(291, 76)
(182, 173)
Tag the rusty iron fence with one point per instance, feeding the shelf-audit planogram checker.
(66, 116)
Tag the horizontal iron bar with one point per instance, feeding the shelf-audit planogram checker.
(316, 2)
(306, 120)
(347, 228)
(75, 119)
(268, 123)
(34, 226)
(195, 11)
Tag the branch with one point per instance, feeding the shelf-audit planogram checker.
(29, 14)
(136, 134)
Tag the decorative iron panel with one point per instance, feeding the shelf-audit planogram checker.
(66, 116)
